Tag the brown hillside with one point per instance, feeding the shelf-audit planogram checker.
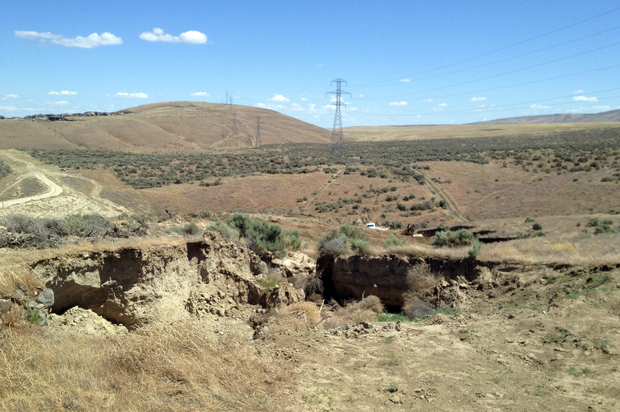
(610, 116)
(161, 127)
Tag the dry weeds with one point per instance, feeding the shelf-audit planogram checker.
(173, 368)
(567, 249)
(365, 310)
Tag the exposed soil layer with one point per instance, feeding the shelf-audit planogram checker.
(132, 286)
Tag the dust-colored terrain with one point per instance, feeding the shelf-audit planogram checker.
(163, 128)
(170, 316)
(386, 133)
(53, 197)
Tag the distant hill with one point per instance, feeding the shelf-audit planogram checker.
(611, 116)
(161, 127)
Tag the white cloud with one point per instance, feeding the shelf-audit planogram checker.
(204, 94)
(62, 93)
(278, 98)
(296, 107)
(261, 105)
(602, 107)
(398, 103)
(477, 99)
(327, 106)
(9, 96)
(361, 96)
(312, 107)
(443, 105)
(430, 101)
(578, 91)
(303, 99)
(130, 95)
(88, 42)
(8, 108)
(539, 106)
(405, 80)
(585, 99)
(32, 35)
(61, 103)
(189, 37)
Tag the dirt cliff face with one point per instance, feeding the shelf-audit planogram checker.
(135, 286)
(384, 276)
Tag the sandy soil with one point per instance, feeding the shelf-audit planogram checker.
(59, 199)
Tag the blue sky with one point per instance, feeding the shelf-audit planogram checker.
(406, 62)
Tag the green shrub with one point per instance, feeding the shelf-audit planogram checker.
(263, 236)
(395, 225)
(536, 226)
(33, 316)
(603, 229)
(291, 239)
(394, 241)
(462, 237)
(476, 248)
(223, 229)
(191, 229)
(335, 240)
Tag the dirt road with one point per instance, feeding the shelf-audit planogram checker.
(54, 189)
(451, 206)
(59, 199)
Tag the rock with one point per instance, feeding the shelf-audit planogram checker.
(84, 322)
(43, 316)
(46, 298)
(295, 264)
(5, 305)
(284, 295)
(395, 399)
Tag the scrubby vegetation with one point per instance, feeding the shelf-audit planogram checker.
(336, 240)
(260, 236)
(41, 232)
(573, 151)
(4, 170)
(459, 238)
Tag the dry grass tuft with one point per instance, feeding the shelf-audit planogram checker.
(427, 251)
(365, 310)
(11, 278)
(576, 249)
(298, 316)
(174, 368)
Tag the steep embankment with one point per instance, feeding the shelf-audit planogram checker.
(162, 127)
(135, 286)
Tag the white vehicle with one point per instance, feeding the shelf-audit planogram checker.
(371, 226)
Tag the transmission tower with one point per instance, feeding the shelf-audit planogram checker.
(234, 131)
(337, 142)
(258, 142)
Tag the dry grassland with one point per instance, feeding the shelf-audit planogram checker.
(384, 133)
(162, 128)
(176, 367)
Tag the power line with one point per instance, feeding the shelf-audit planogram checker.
(500, 74)
(337, 142)
(502, 107)
(496, 50)
(526, 83)
(519, 55)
